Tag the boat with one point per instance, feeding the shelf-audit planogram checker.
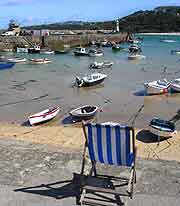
(46, 51)
(6, 65)
(101, 65)
(63, 51)
(115, 47)
(136, 56)
(81, 51)
(35, 49)
(43, 116)
(134, 48)
(95, 53)
(84, 112)
(90, 80)
(134, 41)
(16, 60)
(175, 51)
(21, 50)
(40, 61)
(157, 87)
(167, 40)
(175, 85)
(160, 127)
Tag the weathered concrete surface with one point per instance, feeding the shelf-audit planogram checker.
(44, 169)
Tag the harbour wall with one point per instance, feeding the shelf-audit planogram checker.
(57, 41)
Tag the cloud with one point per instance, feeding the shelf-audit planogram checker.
(15, 2)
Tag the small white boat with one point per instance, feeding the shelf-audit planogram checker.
(101, 65)
(46, 51)
(157, 87)
(84, 112)
(90, 80)
(95, 53)
(40, 61)
(81, 51)
(136, 56)
(43, 116)
(175, 85)
(168, 40)
(16, 60)
(21, 50)
(162, 128)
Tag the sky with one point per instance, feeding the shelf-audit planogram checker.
(31, 12)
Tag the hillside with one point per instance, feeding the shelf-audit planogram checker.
(161, 19)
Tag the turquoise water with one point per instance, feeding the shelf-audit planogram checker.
(28, 88)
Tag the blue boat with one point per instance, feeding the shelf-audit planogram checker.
(4, 65)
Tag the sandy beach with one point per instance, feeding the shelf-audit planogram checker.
(71, 137)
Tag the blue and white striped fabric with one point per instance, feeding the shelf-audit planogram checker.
(109, 144)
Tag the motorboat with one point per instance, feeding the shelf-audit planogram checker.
(6, 65)
(90, 80)
(34, 49)
(175, 85)
(134, 41)
(136, 56)
(134, 48)
(40, 61)
(160, 127)
(16, 60)
(46, 51)
(81, 51)
(101, 65)
(157, 87)
(95, 53)
(43, 116)
(84, 112)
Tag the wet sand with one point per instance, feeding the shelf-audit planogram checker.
(71, 137)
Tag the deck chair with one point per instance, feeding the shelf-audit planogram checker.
(111, 144)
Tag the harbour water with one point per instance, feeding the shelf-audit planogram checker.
(28, 88)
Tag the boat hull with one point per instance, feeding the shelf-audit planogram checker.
(80, 54)
(174, 89)
(150, 90)
(6, 66)
(89, 84)
(42, 118)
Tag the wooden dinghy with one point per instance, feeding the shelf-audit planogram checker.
(84, 112)
(43, 116)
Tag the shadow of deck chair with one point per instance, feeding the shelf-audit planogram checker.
(113, 145)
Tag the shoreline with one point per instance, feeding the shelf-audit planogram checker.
(71, 138)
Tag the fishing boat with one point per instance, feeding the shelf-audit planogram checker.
(35, 49)
(134, 48)
(81, 51)
(90, 80)
(101, 65)
(43, 116)
(84, 112)
(175, 85)
(157, 87)
(16, 60)
(136, 56)
(40, 61)
(6, 65)
(160, 127)
(95, 53)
